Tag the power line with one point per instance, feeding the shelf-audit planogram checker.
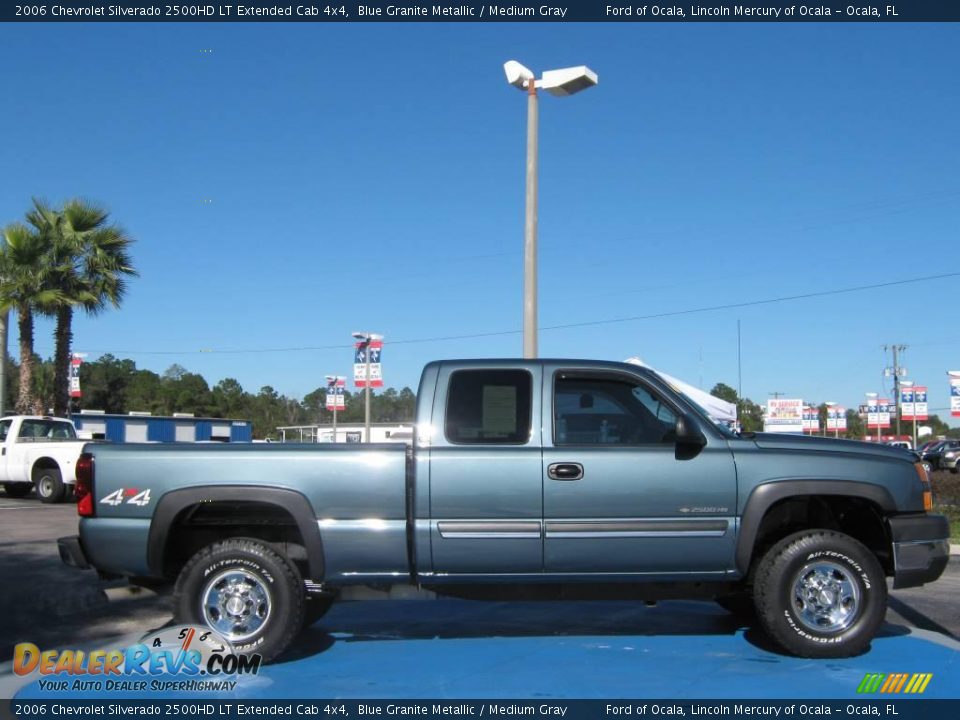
(564, 326)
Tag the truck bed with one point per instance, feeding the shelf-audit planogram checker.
(361, 489)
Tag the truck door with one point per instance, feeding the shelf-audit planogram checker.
(618, 497)
(486, 484)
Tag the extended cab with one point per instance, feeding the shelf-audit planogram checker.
(38, 451)
(534, 478)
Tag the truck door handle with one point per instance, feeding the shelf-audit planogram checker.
(565, 471)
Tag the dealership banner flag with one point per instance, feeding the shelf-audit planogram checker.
(878, 411)
(360, 364)
(335, 397)
(811, 420)
(954, 392)
(837, 418)
(887, 408)
(920, 411)
(76, 359)
(913, 402)
(907, 409)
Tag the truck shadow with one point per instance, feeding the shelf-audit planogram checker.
(389, 620)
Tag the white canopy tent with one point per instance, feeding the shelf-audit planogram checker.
(718, 409)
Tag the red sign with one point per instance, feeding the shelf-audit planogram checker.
(75, 362)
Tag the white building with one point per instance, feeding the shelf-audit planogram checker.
(347, 433)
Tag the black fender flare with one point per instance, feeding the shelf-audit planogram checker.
(293, 502)
(765, 495)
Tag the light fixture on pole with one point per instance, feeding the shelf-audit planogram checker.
(365, 338)
(565, 81)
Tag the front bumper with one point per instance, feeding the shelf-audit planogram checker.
(921, 548)
(71, 552)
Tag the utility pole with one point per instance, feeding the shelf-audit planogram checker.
(897, 373)
(4, 322)
(776, 395)
(739, 364)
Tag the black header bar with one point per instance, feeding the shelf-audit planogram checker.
(618, 11)
(449, 709)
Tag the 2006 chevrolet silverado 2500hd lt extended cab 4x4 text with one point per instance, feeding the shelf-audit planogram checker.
(532, 478)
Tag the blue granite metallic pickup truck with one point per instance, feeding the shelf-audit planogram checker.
(526, 479)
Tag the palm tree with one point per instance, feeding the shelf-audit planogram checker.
(24, 285)
(89, 262)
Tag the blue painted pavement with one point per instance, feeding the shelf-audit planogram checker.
(463, 649)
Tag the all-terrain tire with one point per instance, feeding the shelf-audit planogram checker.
(50, 487)
(17, 489)
(275, 596)
(820, 594)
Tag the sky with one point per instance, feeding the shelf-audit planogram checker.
(288, 184)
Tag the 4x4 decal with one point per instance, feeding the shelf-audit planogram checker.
(131, 496)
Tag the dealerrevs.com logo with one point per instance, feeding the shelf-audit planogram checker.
(198, 658)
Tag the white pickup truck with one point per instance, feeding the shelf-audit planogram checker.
(38, 451)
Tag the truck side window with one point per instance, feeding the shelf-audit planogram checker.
(489, 407)
(4, 429)
(609, 411)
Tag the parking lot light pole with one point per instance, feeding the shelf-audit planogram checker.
(365, 338)
(566, 81)
(876, 398)
(332, 385)
(836, 420)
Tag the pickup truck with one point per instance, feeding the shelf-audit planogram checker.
(525, 479)
(38, 451)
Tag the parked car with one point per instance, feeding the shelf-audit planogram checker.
(526, 479)
(934, 454)
(904, 444)
(927, 445)
(38, 451)
(948, 460)
(917, 457)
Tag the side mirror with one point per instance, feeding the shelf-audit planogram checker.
(690, 438)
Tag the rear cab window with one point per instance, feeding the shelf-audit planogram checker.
(489, 407)
(41, 430)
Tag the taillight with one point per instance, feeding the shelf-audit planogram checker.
(925, 484)
(84, 487)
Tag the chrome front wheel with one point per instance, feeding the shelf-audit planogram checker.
(826, 597)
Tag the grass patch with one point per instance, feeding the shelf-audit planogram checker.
(953, 514)
(946, 498)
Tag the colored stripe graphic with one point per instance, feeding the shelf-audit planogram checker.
(894, 683)
(871, 683)
(903, 679)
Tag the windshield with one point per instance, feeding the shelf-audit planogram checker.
(720, 425)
